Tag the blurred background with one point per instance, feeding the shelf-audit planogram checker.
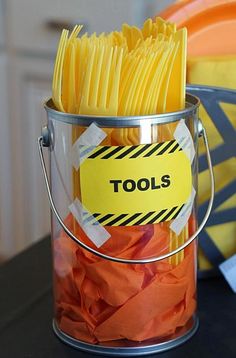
(29, 33)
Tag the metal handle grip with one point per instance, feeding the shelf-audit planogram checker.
(202, 133)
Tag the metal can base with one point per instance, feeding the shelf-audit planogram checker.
(127, 351)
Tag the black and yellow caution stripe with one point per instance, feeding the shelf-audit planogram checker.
(133, 219)
(135, 151)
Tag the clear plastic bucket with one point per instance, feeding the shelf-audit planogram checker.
(123, 196)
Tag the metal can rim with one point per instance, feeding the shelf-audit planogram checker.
(192, 104)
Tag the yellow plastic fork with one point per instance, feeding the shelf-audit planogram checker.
(177, 82)
(176, 100)
(60, 66)
(58, 69)
(171, 99)
(101, 83)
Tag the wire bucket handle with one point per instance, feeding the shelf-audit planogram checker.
(44, 141)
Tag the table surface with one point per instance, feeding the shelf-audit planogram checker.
(26, 313)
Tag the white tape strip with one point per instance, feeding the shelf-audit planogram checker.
(148, 133)
(228, 269)
(95, 232)
(92, 137)
(184, 138)
(179, 223)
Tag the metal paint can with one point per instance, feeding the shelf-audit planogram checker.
(123, 197)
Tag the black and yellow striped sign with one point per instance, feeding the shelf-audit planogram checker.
(133, 152)
(132, 219)
(134, 185)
